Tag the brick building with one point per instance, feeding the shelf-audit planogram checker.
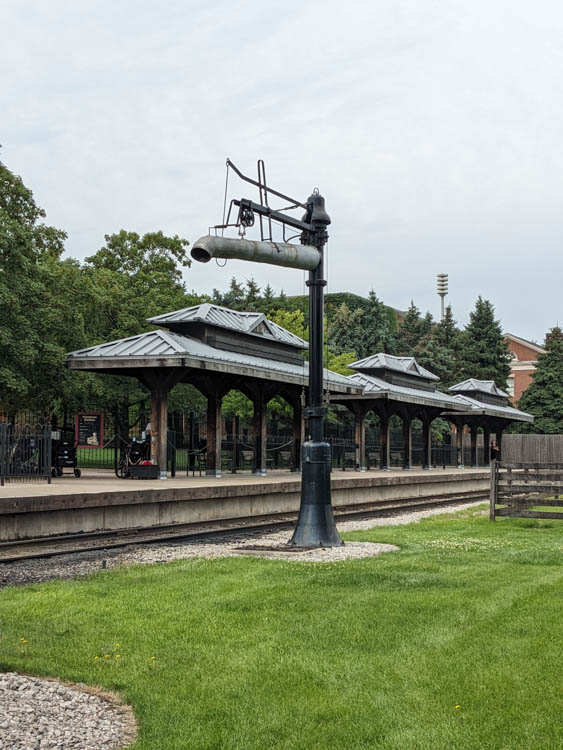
(524, 357)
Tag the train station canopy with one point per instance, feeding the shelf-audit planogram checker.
(483, 398)
(214, 341)
(399, 379)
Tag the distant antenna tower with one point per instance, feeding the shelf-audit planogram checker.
(442, 284)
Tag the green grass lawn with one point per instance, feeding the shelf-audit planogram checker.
(453, 642)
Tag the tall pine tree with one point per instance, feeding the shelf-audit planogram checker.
(484, 354)
(544, 396)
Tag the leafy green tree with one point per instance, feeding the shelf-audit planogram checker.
(293, 321)
(31, 360)
(484, 354)
(132, 278)
(544, 396)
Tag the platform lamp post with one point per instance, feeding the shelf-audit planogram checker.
(315, 525)
(442, 290)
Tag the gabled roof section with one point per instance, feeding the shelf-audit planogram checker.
(168, 349)
(382, 361)
(253, 323)
(530, 344)
(378, 388)
(493, 410)
(152, 344)
(478, 386)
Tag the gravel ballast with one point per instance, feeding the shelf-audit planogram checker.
(38, 714)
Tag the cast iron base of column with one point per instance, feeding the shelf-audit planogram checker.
(259, 473)
(213, 473)
(315, 525)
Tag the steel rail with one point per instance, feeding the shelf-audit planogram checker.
(28, 549)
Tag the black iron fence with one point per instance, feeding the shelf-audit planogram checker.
(25, 452)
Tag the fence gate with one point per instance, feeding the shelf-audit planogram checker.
(25, 452)
(520, 487)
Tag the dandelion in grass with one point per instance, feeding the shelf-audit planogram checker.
(118, 656)
(457, 706)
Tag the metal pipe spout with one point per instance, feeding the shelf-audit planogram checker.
(305, 257)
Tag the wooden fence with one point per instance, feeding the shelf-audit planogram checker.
(520, 486)
(533, 449)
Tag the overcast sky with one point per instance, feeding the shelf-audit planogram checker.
(432, 127)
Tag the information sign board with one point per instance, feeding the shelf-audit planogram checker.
(89, 430)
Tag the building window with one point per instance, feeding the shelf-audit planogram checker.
(510, 385)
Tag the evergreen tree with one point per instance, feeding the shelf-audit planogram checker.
(268, 299)
(252, 301)
(347, 331)
(234, 298)
(544, 397)
(378, 333)
(411, 331)
(484, 354)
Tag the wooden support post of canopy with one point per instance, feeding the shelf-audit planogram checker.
(360, 412)
(407, 439)
(486, 445)
(160, 382)
(260, 433)
(384, 442)
(259, 394)
(296, 399)
(459, 424)
(427, 441)
(214, 433)
(474, 459)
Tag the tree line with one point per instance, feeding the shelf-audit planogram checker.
(52, 305)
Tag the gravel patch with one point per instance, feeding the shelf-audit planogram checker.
(37, 714)
(81, 564)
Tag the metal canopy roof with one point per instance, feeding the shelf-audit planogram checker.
(252, 323)
(377, 388)
(405, 365)
(169, 349)
(472, 407)
(478, 386)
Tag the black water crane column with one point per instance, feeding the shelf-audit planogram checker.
(315, 525)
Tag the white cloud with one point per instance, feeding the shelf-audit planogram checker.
(432, 128)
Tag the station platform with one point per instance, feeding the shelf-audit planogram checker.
(99, 501)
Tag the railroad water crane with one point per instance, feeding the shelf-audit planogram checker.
(315, 525)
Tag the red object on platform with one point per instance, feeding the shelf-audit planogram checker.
(146, 463)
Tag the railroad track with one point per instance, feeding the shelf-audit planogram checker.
(100, 540)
